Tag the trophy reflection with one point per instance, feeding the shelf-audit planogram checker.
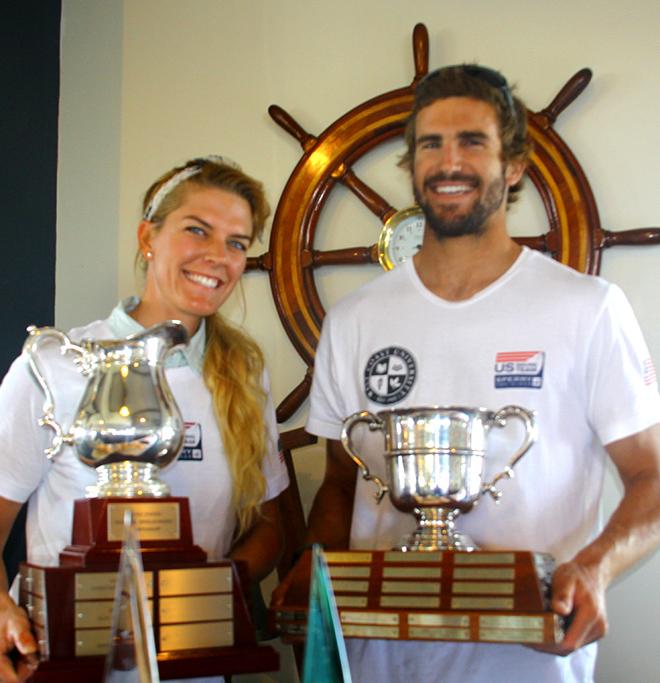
(435, 459)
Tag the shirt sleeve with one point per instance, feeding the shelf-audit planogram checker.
(23, 463)
(274, 467)
(624, 396)
(327, 410)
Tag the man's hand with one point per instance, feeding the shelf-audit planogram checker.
(16, 634)
(578, 592)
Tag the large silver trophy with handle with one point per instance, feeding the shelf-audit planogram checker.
(435, 461)
(127, 425)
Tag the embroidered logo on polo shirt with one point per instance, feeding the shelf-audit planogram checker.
(519, 369)
(389, 375)
(192, 442)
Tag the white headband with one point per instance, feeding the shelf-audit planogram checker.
(182, 176)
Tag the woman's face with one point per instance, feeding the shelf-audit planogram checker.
(196, 257)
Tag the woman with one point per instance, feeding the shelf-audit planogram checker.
(198, 223)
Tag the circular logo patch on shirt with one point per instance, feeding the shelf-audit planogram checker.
(389, 375)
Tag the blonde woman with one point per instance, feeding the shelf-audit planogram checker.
(198, 223)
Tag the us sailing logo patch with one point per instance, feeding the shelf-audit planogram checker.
(192, 442)
(389, 375)
(519, 369)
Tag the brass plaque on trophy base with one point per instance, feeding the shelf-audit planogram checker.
(191, 608)
(163, 524)
(487, 596)
(202, 625)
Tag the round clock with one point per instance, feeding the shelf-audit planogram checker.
(401, 237)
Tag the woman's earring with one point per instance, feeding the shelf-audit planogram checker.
(148, 255)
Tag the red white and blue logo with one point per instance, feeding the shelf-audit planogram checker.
(519, 369)
(192, 442)
(649, 372)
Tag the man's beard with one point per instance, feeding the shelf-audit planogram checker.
(471, 223)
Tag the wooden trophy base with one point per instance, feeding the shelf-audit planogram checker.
(163, 526)
(201, 621)
(481, 596)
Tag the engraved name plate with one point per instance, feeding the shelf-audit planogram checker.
(481, 603)
(93, 613)
(484, 558)
(511, 635)
(335, 557)
(195, 581)
(429, 587)
(462, 620)
(397, 556)
(347, 586)
(412, 572)
(369, 631)
(154, 521)
(410, 601)
(388, 618)
(511, 621)
(101, 585)
(92, 641)
(439, 633)
(196, 608)
(338, 571)
(351, 600)
(200, 635)
(33, 580)
(473, 587)
(484, 573)
(97, 613)
(36, 609)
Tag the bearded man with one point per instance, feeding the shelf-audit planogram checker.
(433, 332)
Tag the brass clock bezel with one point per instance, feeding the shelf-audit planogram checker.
(388, 231)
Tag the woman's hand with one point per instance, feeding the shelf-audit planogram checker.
(16, 635)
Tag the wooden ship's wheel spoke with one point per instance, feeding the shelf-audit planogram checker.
(341, 257)
(574, 235)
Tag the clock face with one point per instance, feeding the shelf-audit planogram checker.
(401, 237)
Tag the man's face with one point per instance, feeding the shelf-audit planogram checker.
(459, 179)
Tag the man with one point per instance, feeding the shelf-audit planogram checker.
(446, 318)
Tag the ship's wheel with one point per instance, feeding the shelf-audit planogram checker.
(574, 235)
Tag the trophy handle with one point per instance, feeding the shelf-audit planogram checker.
(374, 424)
(499, 420)
(36, 335)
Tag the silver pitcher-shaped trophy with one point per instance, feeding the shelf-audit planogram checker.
(127, 425)
(435, 465)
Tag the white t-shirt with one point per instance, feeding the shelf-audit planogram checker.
(544, 337)
(200, 473)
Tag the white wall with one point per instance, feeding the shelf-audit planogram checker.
(88, 161)
(150, 83)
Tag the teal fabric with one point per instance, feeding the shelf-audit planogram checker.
(325, 658)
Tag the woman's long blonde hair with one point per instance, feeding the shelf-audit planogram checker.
(233, 363)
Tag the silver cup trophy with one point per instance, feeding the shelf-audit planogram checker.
(127, 425)
(435, 459)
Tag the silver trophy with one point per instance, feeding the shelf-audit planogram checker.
(127, 424)
(435, 459)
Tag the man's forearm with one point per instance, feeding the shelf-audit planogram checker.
(632, 531)
(329, 520)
